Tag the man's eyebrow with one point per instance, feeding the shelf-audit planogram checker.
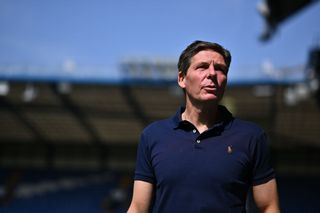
(201, 63)
(220, 65)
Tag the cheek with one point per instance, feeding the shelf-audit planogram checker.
(195, 80)
(222, 80)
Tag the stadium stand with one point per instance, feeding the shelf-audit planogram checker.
(92, 130)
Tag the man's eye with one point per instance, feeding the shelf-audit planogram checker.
(220, 68)
(202, 67)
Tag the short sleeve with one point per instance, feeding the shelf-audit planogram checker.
(262, 168)
(144, 170)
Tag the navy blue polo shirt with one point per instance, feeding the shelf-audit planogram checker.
(208, 172)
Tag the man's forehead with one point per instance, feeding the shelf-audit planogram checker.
(207, 56)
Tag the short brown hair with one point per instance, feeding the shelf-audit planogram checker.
(197, 46)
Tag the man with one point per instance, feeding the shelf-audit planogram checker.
(203, 159)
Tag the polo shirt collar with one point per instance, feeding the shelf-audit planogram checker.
(179, 123)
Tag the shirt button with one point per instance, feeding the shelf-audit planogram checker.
(198, 141)
(194, 131)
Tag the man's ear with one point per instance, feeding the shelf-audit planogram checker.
(181, 80)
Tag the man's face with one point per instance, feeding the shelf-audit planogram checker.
(206, 77)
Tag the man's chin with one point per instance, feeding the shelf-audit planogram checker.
(211, 98)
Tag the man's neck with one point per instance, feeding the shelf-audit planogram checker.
(201, 116)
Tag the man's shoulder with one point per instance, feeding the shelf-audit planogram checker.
(247, 126)
(158, 125)
(157, 131)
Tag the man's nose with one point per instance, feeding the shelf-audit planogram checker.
(211, 71)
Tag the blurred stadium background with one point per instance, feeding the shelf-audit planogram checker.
(68, 139)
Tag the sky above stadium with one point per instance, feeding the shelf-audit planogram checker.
(100, 33)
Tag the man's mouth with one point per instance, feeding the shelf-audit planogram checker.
(210, 88)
